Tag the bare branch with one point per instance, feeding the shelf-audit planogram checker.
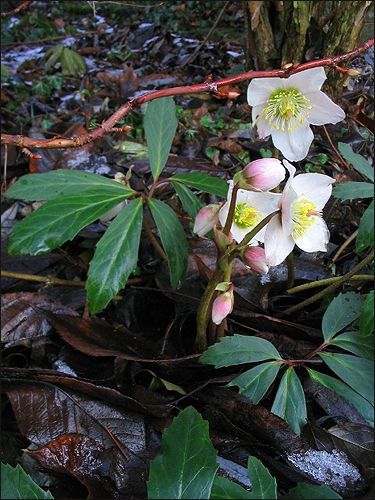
(208, 86)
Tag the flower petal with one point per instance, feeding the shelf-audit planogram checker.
(314, 187)
(260, 89)
(264, 130)
(310, 80)
(277, 243)
(324, 110)
(265, 203)
(315, 238)
(293, 144)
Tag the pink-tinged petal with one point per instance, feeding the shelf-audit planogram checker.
(316, 237)
(277, 243)
(206, 219)
(255, 257)
(294, 144)
(314, 187)
(222, 306)
(260, 89)
(264, 174)
(310, 80)
(324, 110)
(264, 130)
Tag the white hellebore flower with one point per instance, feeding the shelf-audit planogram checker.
(251, 208)
(285, 108)
(300, 222)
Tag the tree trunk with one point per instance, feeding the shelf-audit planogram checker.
(296, 31)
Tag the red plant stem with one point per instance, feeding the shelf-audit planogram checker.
(18, 9)
(232, 208)
(336, 151)
(208, 86)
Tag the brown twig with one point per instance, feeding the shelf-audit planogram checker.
(18, 9)
(336, 151)
(208, 86)
(214, 26)
(154, 242)
(51, 280)
(343, 279)
(344, 245)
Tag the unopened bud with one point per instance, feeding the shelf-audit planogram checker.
(223, 305)
(255, 258)
(206, 219)
(263, 174)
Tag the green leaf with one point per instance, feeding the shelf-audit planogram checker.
(263, 485)
(160, 124)
(254, 383)
(61, 219)
(361, 404)
(224, 489)
(72, 63)
(172, 238)
(204, 182)
(290, 403)
(305, 491)
(43, 187)
(358, 373)
(237, 350)
(355, 343)
(115, 257)
(366, 321)
(342, 311)
(365, 236)
(358, 161)
(354, 190)
(17, 485)
(186, 465)
(190, 203)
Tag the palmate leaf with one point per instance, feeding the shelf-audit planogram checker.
(203, 182)
(186, 464)
(355, 343)
(365, 236)
(190, 203)
(306, 491)
(366, 321)
(290, 403)
(353, 190)
(358, 161)
(17, 485)
(160, 124)
(342, 311)
(44, 187)
(172, 238)
(254, 383)
(358, 373)
(115, 257)
(237, 350)
(361, 404)
(225, 489)
(60, 220)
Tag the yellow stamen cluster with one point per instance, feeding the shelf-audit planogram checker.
(304, 212)
(286, 109)
(246, 216)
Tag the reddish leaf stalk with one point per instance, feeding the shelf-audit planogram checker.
(208, 86)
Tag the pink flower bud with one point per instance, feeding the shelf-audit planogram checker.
(222, 306)
(206, 219)
(255, 257)
(264, 174)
